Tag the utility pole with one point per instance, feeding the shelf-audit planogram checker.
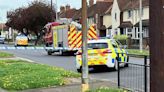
(56, 11)
(51, 4)
(156, 45)
(140, 15)
(52, 11)
(85, 85)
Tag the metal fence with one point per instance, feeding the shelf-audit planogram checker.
(136, 77)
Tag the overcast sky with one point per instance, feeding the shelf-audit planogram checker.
(6, 5)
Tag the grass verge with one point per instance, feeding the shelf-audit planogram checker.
(137, 52)
(21, 75)
(106, 89)
(5, 55)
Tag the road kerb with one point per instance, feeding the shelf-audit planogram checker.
(18, 58)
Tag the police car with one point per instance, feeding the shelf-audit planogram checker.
(103, 52)
(21, 40)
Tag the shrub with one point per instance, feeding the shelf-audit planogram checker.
(121, 38)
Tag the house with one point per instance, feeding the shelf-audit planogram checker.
(125, 18)
(107, 21)
(131, 14)
(2, 26)
(94, 13)
(116, 12)
(66, 13)
(3, 29)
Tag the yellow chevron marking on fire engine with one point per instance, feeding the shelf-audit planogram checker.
(71, 35)
(89, 37)
(93, 29)
(79, 38)
(92, 35)
(75, 37)
(72, 28)
(73, 46)
(79, 44)
(92, 32)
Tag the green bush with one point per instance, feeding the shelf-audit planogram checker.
(121, 38)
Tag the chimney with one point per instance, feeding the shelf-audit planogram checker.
(91, 2)
(68, 7)
(62, 9)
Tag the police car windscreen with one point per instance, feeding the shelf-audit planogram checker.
(97, 45)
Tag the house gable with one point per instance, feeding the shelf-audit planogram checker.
(115, 15)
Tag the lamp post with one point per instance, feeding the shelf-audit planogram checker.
(85, 85)
(56, 11)
(51, 12)
(140, 26)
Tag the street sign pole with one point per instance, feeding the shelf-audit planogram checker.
(140, 26)
(85, 85)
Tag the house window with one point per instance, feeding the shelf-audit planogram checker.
(129, 32)
(129, 14)
(115, 16)
(145, 32)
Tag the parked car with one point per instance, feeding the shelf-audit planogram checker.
(103, 52)
(2, 40)
(21, 40)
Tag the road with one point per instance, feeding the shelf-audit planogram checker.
(132, 77)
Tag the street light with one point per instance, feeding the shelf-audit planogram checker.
(140, 26)
(55, 9)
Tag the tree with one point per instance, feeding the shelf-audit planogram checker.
(15, 19)
(32, 18)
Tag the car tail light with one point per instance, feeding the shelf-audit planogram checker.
(107, 51)
(78, 53)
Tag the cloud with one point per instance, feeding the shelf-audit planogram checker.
(3, 7)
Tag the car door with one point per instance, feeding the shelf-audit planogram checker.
(118, 50)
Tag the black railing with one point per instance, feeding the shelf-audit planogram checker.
(136, 77)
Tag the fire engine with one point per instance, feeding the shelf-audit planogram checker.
(66, 38)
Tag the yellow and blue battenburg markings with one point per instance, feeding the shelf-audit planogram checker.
(122, 55)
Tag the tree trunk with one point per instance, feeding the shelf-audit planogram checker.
(36, 41)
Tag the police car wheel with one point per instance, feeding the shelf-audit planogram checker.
(49, 52)
(127, 65)
(79, 70)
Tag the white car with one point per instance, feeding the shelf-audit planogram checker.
(2, 40)
(21, 40)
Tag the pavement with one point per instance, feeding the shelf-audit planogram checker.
(75, 86)
(94, 84)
